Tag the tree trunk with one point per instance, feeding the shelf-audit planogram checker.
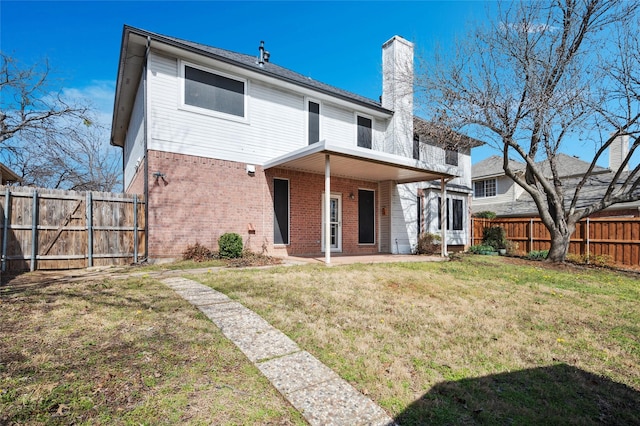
(560, 239)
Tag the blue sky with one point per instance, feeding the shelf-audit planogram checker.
(338, 43)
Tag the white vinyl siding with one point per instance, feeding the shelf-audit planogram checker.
(276, 121)
(134, 141)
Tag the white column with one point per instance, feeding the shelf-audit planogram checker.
(327, 208)
(444, 219)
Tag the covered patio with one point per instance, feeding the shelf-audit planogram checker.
(328, 159)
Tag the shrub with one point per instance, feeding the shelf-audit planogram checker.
(480, 249)
(485, 215)
(428, 244)
(197, 253)
(494, 236)
(230, 245)
(538, 254)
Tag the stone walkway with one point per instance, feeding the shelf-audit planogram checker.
(312, 388)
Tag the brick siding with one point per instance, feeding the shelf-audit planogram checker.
(202, 198)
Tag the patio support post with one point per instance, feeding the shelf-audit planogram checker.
(444, 219)
(327, 208)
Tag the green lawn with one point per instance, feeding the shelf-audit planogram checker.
(473, 341)
(126, 352)
(481, 340)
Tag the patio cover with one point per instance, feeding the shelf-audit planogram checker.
(362, 164)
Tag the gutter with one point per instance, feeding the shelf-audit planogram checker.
(146, 152)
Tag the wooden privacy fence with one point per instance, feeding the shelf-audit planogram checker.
(56, 229)
(615, 237)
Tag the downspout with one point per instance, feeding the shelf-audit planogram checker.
(146, 152)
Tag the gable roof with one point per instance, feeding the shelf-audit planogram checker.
(132, 57)
(7, 175)
(566, 165)
(593, 191)
(492, 167)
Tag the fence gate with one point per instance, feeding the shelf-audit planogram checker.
(56, 229)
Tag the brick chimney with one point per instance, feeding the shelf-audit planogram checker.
(397, 94)
(618, 150)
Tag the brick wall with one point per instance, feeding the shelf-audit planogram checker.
(200, 199)
(306, 211)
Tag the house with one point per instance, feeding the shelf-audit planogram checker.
(217, 141)
(494, 191)
(7, 175)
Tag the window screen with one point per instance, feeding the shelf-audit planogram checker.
(364, 132)
(281, 211)
(457, 215)
(314, 122)
(215, 92)
(366, 217)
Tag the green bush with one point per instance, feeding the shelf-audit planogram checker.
(485, 215)
(230, 245)
(480, 249)
(428, 244)
(538, 254)
(494, 236)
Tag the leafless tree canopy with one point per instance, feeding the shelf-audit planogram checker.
(47, 140)
(540, 77)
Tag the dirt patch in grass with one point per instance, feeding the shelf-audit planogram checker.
(481, 340)
(122, 352)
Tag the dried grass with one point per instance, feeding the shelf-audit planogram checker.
(397, 331)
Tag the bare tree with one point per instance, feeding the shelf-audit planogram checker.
(542, 76)
(48, 140)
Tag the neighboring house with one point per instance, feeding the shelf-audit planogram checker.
(7, 175)
(494, 191)
(219, 141)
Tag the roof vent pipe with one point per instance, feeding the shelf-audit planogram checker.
(263, 56)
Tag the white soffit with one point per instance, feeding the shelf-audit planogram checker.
(359, 163)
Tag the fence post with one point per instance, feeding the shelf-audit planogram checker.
(135, 228)
(588, 254)
(89, 230)
(34, 232)
(5, 232)
(530, 236)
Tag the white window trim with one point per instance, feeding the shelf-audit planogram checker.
(205, 111)
(288, 212)
(484, 180)
(306, 117)
(375, 237)
(373, 126)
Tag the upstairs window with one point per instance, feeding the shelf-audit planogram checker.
(484, 188)
(451, 155)
(416, 146)
(314, 122)
(364, 132)
(214, 92)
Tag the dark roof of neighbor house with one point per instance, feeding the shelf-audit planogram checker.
(593, 191)
(8, 175)
(492, 167)
(566, 165)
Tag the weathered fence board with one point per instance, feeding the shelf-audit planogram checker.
(616, 237)
(56, 229)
